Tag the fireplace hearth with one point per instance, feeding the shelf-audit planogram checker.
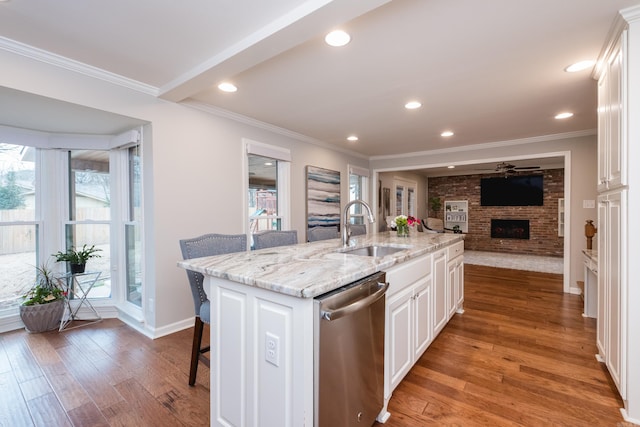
(510, 229)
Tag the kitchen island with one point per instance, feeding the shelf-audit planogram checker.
(262, 334)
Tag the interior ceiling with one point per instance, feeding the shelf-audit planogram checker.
(488, 71)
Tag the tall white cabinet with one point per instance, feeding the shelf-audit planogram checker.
(612, 213)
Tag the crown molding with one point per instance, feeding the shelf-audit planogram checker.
(631, 14)
(268, 127)
(489, 145)
(75, 66)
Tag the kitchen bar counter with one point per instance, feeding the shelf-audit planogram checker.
(307, 270)
(264, 335)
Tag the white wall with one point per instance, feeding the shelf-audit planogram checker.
(192, 174)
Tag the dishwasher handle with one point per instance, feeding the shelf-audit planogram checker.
(357, 305)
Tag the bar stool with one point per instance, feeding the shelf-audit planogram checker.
(272, 238)
(205, 245)
(322, 233)
(358, 229)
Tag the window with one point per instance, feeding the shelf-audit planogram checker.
(267, 188)
(89, 212)
(405, 197)
(19, 225)
(358, 190)
(263, 194)
(53, 199)
(132, 227)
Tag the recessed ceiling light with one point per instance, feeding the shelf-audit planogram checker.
(450, 167)
(579, 66)
(352, 138)
(268, 164)
(446, 133)
(337, 38)
(564, 115)
(227, 87)
(412, 105)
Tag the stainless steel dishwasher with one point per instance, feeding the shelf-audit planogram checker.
(349, 353)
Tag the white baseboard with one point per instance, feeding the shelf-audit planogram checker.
(10, 323)
(575, 291)
(13, 322)
(174, 327)
(627, 418)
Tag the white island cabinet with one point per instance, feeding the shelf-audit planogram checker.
(262, 333)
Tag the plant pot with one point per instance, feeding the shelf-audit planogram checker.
(42, 317)
(402, 230)
(77, 268)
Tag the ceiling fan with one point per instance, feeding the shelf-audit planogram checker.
(504, 167)
(509, 169)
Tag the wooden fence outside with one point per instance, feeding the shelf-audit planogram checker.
(22, 238)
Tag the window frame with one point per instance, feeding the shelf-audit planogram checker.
(356, 212)
(283, 182)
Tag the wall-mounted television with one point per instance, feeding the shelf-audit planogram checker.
(520, 190)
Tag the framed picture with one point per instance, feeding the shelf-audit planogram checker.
(323, 197)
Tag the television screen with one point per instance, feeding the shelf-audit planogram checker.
(522, 190)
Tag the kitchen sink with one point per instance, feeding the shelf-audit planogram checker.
(375, 251)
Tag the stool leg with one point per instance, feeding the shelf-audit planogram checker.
(195, 350)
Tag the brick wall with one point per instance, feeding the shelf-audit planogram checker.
(543, 220)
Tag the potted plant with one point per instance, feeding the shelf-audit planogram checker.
(77, 258)
(436, 204)
(43, 306)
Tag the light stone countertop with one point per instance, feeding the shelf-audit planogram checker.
(592, 254)
(307, 270)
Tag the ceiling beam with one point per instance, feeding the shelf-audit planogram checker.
(297, 26)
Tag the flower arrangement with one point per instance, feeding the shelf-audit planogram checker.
(403, 222)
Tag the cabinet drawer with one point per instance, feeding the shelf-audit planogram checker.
(456, 249)
(407, 273)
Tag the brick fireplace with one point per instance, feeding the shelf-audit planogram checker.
(510, 229)
(543, 220)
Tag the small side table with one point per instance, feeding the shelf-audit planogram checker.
(77, 287)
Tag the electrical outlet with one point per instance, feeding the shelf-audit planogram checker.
(272, 349)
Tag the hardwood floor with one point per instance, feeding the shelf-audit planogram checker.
(520, 355)
(105, 374)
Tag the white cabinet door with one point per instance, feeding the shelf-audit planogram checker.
(613, 254)
(440, 295)
(451, 287)
(423, 316)
(603, 270)
(611, 148)
(611, 328)
(615, 163)
(399, 327)
(459, 286)
(603, 129)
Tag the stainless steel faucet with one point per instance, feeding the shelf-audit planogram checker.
(346, 219)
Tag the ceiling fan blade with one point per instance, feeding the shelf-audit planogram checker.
(523, 168)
